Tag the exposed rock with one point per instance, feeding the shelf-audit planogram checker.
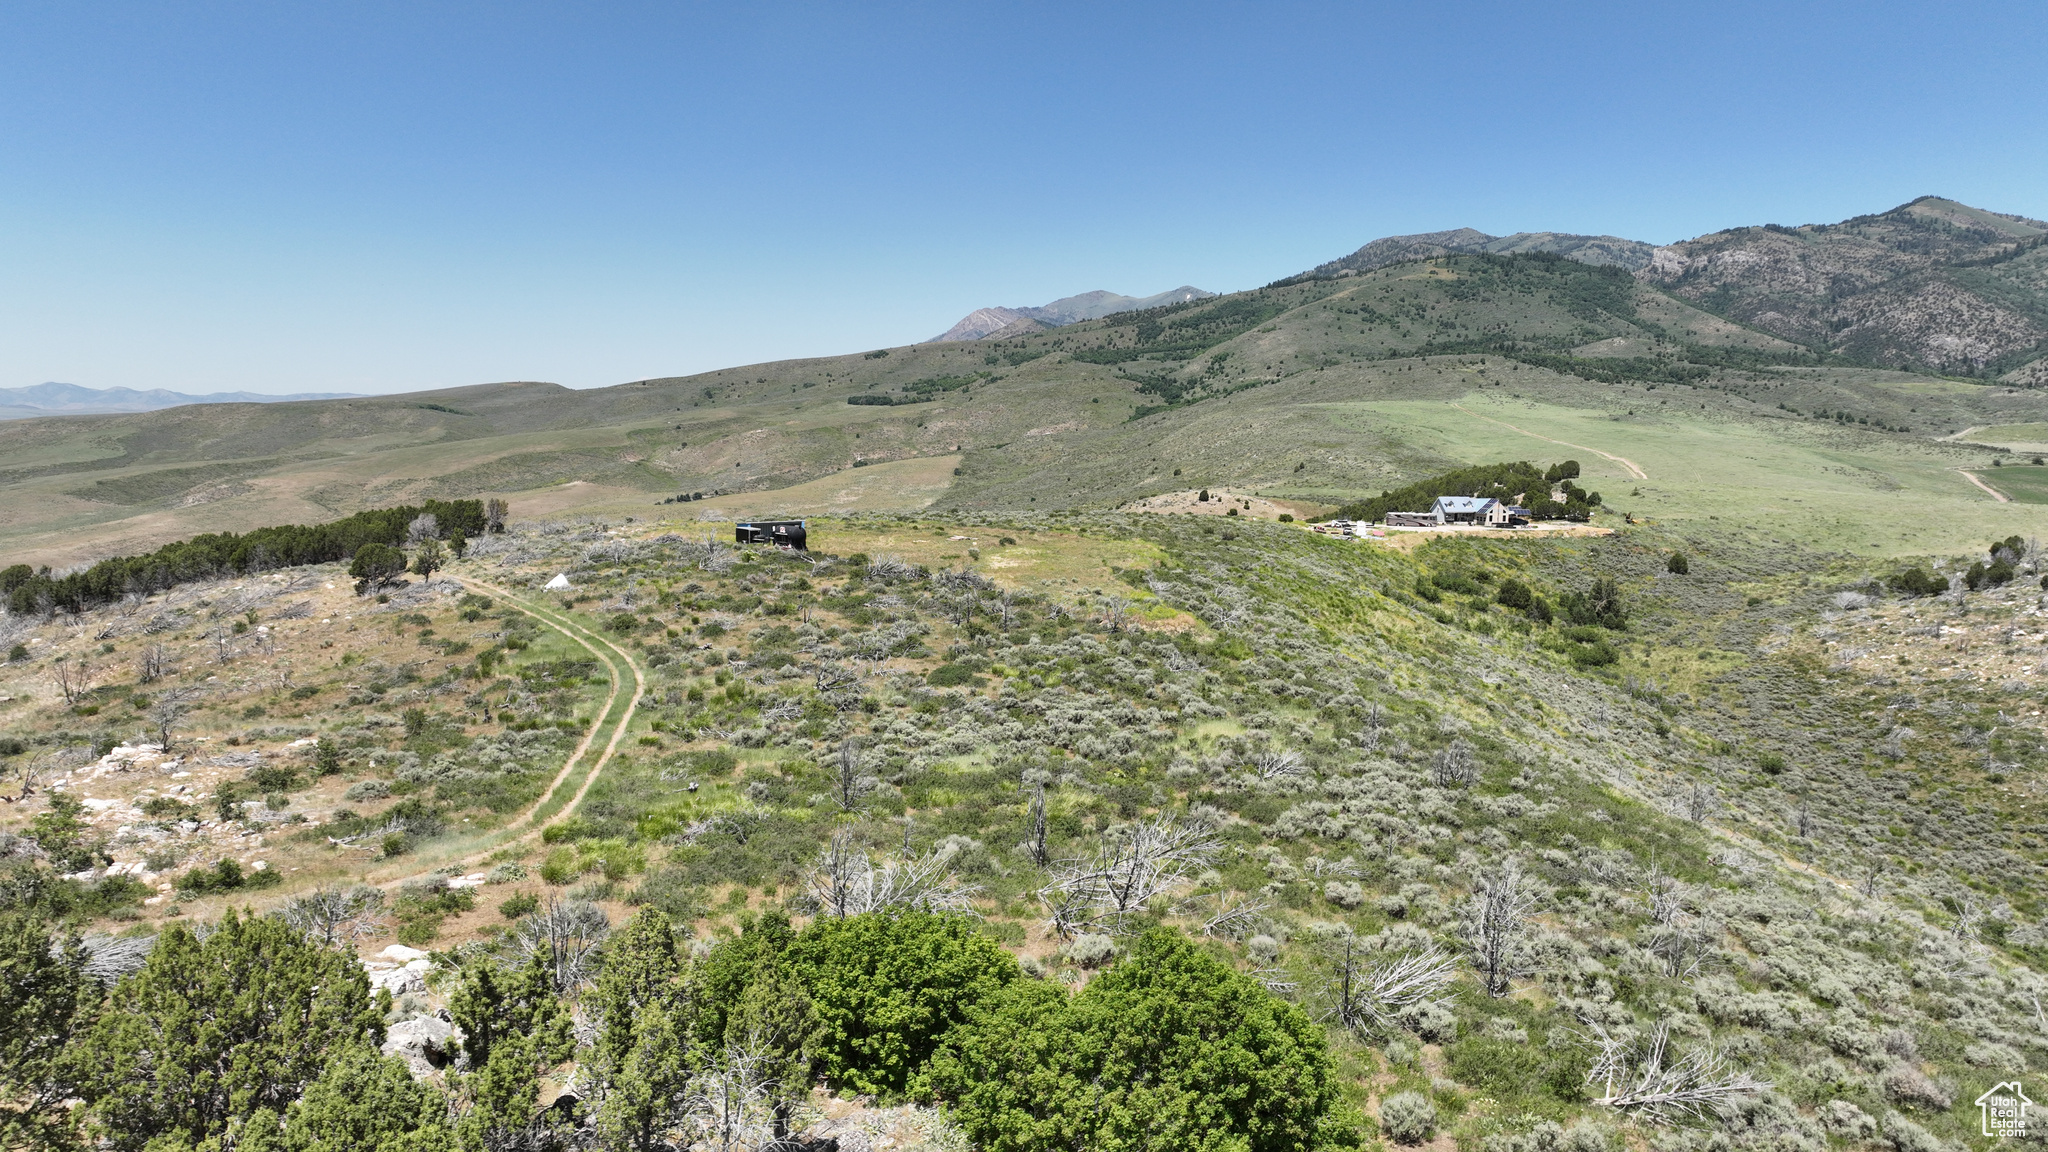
(425, 1043)
(988, 323)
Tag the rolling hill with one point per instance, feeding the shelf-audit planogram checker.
(1318, 390)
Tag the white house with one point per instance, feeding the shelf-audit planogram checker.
(1471, 510)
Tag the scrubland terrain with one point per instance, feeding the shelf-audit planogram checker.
(1043, 804)
(1719, 810)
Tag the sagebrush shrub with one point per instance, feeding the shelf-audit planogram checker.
(1408, 1117)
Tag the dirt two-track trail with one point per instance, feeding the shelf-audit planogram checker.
(531, 823)
(1635, 469)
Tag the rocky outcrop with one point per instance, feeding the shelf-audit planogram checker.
(1930, 284)
(992, 323)
(1629, 254)
(426, 1044)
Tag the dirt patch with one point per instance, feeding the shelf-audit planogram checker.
(1407, 538)
(1221, 502)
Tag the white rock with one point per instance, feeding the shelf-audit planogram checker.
(473, 880)
(422, 1042)
(400, 954)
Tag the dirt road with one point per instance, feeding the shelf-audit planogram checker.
(1634, 469)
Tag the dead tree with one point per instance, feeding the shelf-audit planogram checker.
(1453, 766)
(847, 883)
(73, 679)
(495, 511)
(168, 712)
(1036, 845)
(1133, 864)
(1368, 992)
(1699, 802)
(1116, 613)
(851, 787)
(1370, 739)
(730, 1104)
(1270, 766)
(1497, 926)
(565, 933)
(1656, 1092)
(335, 916)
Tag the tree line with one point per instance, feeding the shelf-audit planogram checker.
(263, 1035)
(229, 553)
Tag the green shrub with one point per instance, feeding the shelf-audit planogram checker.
(560, 867)
(522, 904)
(1677, 564)
(952, 676)
(1171, 1048)
(226, 876)
(273, 778)
(887, 988)
(1514, 594)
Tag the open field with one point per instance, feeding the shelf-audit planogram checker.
(1818, 486)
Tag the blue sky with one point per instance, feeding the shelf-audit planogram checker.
(383, 197)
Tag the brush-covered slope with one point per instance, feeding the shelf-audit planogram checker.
(1733, 818)
(1931, 284)
(1604, 250)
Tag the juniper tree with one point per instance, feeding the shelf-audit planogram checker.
(208, 1033)
(362, 1102)
(44, 996)
(642, 1055)
(428, 559)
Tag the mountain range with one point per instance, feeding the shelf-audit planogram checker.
(1932, 285)
(983, 323)
(54, 399)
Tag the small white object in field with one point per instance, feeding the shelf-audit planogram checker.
(560, 581)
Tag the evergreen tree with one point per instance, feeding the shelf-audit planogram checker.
(515, 1030)
(724, 974)
(1172, 1048)
(374, 566)
(44, 994)
(428, 558)
(643, 1055)
(492, 1004)
(362, 1102)
(888, 986)
(205, 1034)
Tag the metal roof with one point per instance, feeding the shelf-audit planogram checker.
(1463, 504)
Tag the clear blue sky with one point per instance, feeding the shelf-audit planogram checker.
(381, 197)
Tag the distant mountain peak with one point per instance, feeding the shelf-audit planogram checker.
(983, 323)
(54, 399)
